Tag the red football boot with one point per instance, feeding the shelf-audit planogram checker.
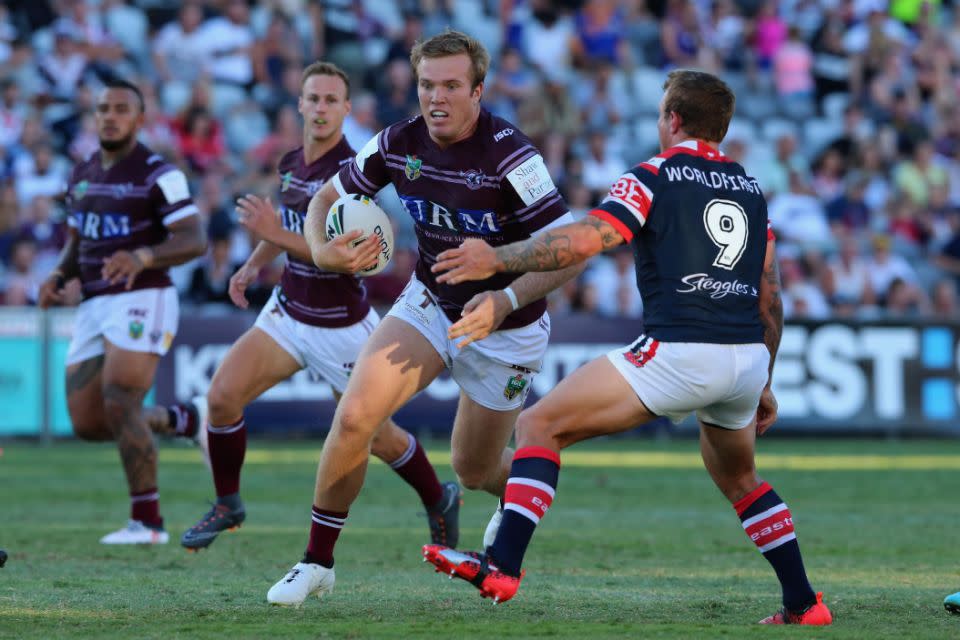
(815, 614)
(475, 568)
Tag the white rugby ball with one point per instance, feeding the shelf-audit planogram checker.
(354, 211)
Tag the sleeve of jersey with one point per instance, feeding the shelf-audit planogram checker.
(73, 216)
(172, 194)
(628, 203)
(535, 200)
(367, 174)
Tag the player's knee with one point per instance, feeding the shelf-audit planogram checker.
(355, 420)
(534, 430)
(470, 475)
(119, 403)
(223, 404)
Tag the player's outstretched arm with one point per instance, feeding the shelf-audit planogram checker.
(339, 254)
(549, 250)
(258, 215)
(485, 312)
(771, 315)
(68, 267)
(187, 240)
(264, 253)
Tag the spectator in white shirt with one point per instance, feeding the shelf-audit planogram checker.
(884, 267)
(601, 168)
(850, 275)
(229, 43)
(179, 52)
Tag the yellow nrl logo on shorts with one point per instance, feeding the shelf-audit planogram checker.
(515, 385)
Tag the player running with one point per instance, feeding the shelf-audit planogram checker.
(315, 319)
(707, 270)
(459, 172)
(131, 217)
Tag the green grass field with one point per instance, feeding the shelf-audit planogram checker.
(639, 544)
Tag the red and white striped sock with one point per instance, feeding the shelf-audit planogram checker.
(769, 525)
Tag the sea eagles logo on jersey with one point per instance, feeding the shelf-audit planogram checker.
(474, 179)
(515, 385)
(412, 170)
(80, 189)
(285, 181)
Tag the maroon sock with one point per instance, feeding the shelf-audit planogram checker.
(324, 532)
(183, 419)
(228, 445)
(414, 467)
(145, 507)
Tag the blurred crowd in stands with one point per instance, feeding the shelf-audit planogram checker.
(847, 113)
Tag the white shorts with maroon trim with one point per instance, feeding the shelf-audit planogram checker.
(722, 383)
(143, 320)
(495, 372)
(327, 352)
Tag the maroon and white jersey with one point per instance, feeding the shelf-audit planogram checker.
(124, 207)
(309, 295)
(494, 185)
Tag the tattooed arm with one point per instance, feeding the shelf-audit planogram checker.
(560, 247)
(771, 315)
(550, 250)
(771, 306)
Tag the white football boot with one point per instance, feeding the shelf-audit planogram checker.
(490, 534)
(136, 533)
(301, 582)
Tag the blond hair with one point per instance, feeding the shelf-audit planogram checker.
(452, 43)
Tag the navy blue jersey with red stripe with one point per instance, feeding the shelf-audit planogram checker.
(698, 228)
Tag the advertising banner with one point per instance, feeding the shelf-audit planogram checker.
(847, 377)
(829, 377)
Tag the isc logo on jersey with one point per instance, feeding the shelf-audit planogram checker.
(354, 211)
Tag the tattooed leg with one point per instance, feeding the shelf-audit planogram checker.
(123, 408)
(85, 400)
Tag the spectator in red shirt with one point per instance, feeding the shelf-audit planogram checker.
(200, 140)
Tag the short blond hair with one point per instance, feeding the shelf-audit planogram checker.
(321, 68)
(452, 43)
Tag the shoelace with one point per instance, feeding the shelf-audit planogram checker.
(292, 576)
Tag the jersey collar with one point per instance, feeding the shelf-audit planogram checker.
(695, 148)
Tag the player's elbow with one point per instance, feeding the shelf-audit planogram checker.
(199, 245)
(583, 247)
